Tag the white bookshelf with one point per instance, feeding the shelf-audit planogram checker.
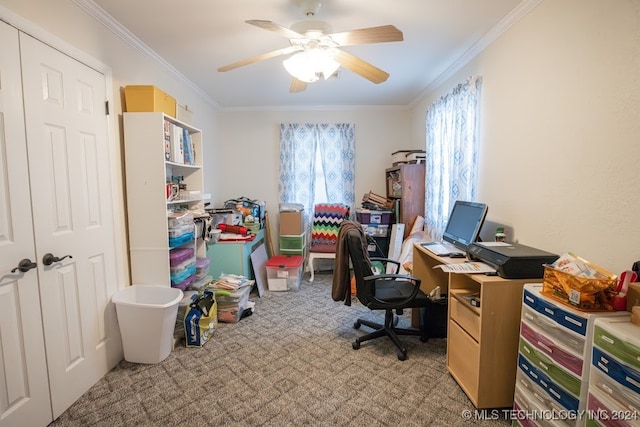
(147, 173)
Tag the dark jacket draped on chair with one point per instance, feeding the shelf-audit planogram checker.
(341, 289)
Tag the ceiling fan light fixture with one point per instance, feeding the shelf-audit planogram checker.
(306, 66)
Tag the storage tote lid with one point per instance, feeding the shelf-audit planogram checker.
(285, 261)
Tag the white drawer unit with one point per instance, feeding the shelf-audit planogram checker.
(530, 398)
(614, 382)
(554, 359)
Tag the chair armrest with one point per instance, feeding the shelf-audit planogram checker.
(393, 261)
(387, 261)
(406, 277)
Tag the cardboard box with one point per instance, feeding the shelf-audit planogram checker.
(292, 223)
(633, 296)
(149, 99)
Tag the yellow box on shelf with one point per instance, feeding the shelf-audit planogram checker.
(148, 99)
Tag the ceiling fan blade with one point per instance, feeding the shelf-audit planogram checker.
(360, 67)
(276, 28)
(384, 33)
(297, 85)
(272, 54)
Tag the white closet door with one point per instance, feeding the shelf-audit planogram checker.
(24, 388)
(72, 202)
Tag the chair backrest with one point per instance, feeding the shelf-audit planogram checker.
(327, 218)
(360, 262)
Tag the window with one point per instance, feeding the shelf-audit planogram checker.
(320, 189)
(452, 141)
(317, 164)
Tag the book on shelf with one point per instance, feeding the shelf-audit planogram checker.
(177, 151)
(167, 140)
(187, 147)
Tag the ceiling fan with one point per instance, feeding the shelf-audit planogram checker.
(316, 51)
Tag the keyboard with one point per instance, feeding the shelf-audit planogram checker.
(440, 248)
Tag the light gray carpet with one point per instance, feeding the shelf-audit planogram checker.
(289, 364)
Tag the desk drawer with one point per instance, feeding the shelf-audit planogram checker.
(463, 360)
(464, 316)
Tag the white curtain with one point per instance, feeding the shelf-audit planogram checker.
(452, 141)
(298, 145)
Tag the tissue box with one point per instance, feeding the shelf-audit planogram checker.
(582, 293)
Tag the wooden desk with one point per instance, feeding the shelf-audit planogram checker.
(482, 342)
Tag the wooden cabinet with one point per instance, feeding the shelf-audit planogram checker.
(405, 183)
(482, 342)
(148, 171)
(482, 345)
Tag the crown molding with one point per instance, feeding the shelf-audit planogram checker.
(492, 35)
(92, 9)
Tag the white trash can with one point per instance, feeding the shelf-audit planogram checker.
(147, 318)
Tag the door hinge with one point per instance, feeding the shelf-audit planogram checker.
(106, 108)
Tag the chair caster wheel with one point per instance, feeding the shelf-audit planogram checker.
(424, 339)
(402, 355)
(357, 325)
(355, 345)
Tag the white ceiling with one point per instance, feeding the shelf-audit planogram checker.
(197, 36)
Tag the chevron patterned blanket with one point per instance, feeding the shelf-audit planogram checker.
(326, 224)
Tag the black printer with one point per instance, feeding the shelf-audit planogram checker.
(512, 260)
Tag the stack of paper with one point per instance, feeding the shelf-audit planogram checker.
(232, 295)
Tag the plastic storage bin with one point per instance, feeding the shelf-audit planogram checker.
(284, 273)
(202, 267)
(147, 317)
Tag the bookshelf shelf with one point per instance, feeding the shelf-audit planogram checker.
(150, 166)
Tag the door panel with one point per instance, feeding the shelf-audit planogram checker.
(24, 387)
(72, 204)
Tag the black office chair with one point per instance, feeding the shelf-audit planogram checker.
(386, 292)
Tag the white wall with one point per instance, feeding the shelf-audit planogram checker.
(561, 129)
(64, 25)
(561, 102)
(252, 138)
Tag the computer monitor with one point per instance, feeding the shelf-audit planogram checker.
(465, 222)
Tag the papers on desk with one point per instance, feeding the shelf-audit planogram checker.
(466, 267)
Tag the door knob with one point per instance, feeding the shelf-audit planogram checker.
(49, 258)
(24, 266)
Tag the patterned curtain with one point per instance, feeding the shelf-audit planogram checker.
(451, 153)
(298, 145)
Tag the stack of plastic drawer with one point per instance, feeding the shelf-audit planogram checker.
(293, 244)
(181, 229)
(293, 239)
(182, 257)
(553, 361)
(182, 265)
(614, 384)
